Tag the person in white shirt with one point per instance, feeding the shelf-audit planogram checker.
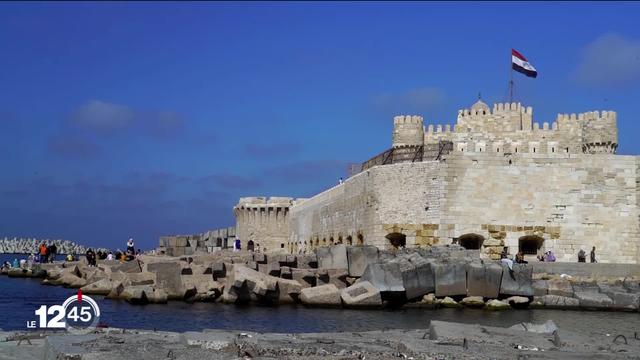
(130, 246)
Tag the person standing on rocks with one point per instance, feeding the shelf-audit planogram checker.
(593, 255)
(53, 250)
(43, 253)
(130, 246)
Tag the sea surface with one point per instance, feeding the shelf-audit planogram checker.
(20, 297)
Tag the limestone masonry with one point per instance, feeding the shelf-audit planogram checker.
(496, 179)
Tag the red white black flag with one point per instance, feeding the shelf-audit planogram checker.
(520, 64)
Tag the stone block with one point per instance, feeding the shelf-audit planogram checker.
(271, 268)
(625, 301)
(362, 294)
(359, 257)
(558, 302)
(288, 291)
(484, 279)
(418, 276)
(517, 282)
(305, 277)
(386, 278)
(451, 279)
(132, 266)
(168, 278)
(324, 295)
(285, 272)
(540, 287)
(332, 257)
(560, 287)
(308, 261)
(260, 258)
(593, 300)
(218, 270)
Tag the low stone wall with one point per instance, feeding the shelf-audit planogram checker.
(207, 242)
(587, 269)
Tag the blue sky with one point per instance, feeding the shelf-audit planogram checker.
(144, 119)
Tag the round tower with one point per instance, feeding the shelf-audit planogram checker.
(408, 130)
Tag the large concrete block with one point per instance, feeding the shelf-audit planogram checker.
(168, 278)
(325, 295)
(517, 282)
(560, 287)
(362, 294)
(305, 277)
(451, 279)
(333, 257)
(417, 276)
(359, 257)
(132, 266)
(593, 300)
(384, 277)
(484, 280)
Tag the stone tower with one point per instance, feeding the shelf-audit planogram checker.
(408, 130)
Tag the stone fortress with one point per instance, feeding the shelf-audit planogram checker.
(496, 179)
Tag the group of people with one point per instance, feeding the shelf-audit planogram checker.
(46, 254)
(548, 256)
(582, 256)
(122, 256)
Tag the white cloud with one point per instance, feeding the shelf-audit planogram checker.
(610, 60)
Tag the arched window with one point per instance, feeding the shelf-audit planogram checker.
(471, 241)
(250, 245)
(360, 239)
(397, 240)
(349, 240)
(530, 244)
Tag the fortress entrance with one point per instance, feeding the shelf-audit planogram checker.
(530, 244)
(397, 240)
(250, 245)
(471, 241)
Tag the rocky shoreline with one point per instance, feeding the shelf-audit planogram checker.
(341, 276)
(441, 340)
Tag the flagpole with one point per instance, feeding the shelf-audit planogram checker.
(511, 79)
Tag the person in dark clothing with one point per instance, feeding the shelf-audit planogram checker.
(593, 255)
(582, 256)
(91, 257)
(53, 250)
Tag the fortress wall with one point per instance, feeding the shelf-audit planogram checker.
(583, 200)
(568, 201)
(368, 206)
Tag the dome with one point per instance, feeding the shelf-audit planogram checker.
(479, 105)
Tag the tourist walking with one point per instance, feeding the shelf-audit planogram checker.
(593, 255)
(582, 256)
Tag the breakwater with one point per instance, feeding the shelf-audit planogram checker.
(30, 246)
(341, 276)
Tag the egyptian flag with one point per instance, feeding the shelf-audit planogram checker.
(520, 64)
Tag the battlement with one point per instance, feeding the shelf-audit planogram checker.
(407, 119)
(498, 109)
(610, 116)
(439, 129)
(261, 201)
